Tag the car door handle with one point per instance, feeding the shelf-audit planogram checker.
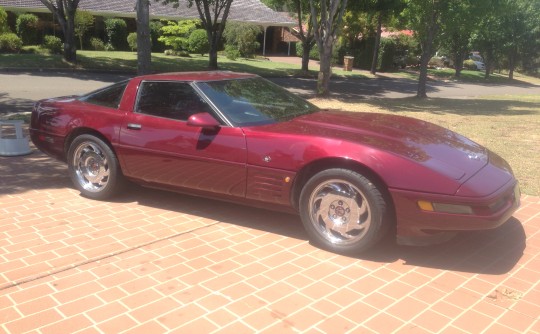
(134, 126)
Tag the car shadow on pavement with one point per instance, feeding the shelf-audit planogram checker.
(492, 252)
(488, 252)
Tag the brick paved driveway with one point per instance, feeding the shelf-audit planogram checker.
(152, 262)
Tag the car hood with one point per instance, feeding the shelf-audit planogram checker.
(424, 143)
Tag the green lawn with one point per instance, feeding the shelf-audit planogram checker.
(508, 125)
(470, 76)
(127, 61)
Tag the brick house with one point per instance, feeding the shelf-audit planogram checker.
(274, 24)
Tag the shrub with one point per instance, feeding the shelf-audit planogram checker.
(10, 42)
(313, 53)
(116, 33)
(4, 27)
(27, 28)
(176, 34)
(231, 52)
(177, 53)
(198, 42)
(243, 37)
(387, 52)
(469, 65)
(132, 41)
(97, 44)
(53, 44)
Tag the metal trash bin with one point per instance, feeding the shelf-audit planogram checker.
(13, 142)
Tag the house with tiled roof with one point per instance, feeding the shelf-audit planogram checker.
(250, 11)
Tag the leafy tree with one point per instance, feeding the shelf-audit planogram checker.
(176, 34)
(326, 16)
(530, 53)
(299, 9)
(243, 37)
(83, 22)
(519, 22)
(383, 10)
(213, 15)
(424, 17)
(64, 12)
(198, 42)
(456, 31)
(488, 36)
(26, 26)
(306, 37)
(4, 27)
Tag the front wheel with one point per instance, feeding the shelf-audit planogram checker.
(343, 211)
(93, 167)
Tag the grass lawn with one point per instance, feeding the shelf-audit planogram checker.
(508, 125)
(127, 61)
(471, 76)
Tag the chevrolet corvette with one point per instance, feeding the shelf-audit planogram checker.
(238, 137)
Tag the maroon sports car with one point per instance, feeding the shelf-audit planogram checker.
(238, 137)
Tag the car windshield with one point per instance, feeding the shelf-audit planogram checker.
(254, 101)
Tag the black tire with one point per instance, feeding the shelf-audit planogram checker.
(343, 211)
(93, 167)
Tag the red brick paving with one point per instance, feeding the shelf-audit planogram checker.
(151, 261)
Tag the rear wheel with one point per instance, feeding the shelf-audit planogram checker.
(93, 167)
(343, 211)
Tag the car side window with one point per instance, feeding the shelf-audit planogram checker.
(168, 99)
(110, 96)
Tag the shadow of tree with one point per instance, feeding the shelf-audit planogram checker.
(464, 107)
(10, 105)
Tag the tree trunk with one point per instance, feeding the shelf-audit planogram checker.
(70, 49)
(306, 48)
(144, 46)
(422, 79)
(325, 71)
(488, 59)
(213, 56)
(512, 63)
(458, 63)
(375, 60)
(427, 53)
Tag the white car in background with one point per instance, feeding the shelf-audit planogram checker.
(478, 61)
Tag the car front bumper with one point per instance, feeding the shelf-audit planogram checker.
(416, 226)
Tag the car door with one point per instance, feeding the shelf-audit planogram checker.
(158, 146)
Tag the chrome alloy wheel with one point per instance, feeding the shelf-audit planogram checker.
(339, 211)
(91, 166)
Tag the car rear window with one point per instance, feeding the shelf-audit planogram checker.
(110, 96)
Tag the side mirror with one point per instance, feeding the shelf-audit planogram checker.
(203, 120)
